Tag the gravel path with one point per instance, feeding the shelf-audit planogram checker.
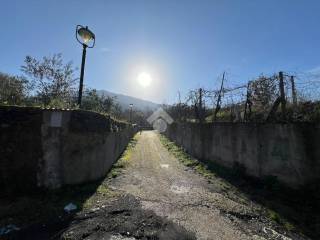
(211, 210)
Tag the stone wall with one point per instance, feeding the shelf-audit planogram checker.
(52, 148)
(290, 152)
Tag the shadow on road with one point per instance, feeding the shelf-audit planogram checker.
(299, 207)
(41, 215)
(117, 215)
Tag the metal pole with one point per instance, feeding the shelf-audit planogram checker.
(82, 73)
(130, 114)
(200, 105)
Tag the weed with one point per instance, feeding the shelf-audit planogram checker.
(185, 158)
(274, 216)
(289, 226)
(124, 159)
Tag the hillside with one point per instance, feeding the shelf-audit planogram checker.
(125, 101)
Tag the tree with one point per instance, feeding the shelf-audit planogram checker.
(117, 111)
(197, 99)
(53, 79)
(263, 92)
(108, 103)
(93, 101)
(13, 89)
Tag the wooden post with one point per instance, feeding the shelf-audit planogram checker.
(294, 93)
(219, 99)
(179, 107)
(200, 106)
(247, 104)
(282, 94)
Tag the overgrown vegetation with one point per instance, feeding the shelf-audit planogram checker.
(277, 98)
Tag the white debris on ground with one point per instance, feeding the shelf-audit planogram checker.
(274, 234)
(164, 165)
(119, 237)
(70, 207)
(9, 228)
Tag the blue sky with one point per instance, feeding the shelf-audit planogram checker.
(182, 44)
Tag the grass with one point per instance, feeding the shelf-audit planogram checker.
(124, 159)
(274, 216)
(185, 158)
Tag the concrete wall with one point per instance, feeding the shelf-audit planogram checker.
(291, 152)
(52, 148)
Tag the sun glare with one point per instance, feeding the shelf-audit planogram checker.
(144, 79)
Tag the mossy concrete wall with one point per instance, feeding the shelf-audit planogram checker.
(52, 148)
(291, 152)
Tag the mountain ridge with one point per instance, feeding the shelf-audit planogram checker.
(125, 101)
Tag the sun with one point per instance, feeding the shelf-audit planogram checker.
(144, 79)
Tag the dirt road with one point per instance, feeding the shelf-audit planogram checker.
(155, 196)
(210, 210)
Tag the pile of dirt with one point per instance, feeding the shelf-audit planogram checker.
(122, 217)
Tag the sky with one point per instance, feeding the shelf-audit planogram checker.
(180, 44)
